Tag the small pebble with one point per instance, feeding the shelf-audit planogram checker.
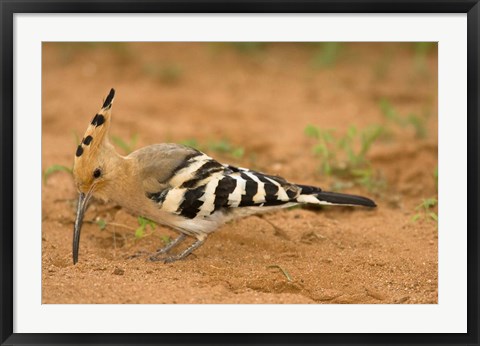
(118, 271)
(402, 300)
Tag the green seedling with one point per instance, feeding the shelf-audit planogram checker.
(421, 51)
(222, 146)
(372, 180)
(55, 168)
(170, 74)
(426, 210)
(140, 231)
(238, 153)
(167, 74)
(411, 120)
(323, 148)
(435, 176)
(418, 125)
(327, 54)
(102, 224)
(427, 204)
(166, 239)
(367, 137)
(346, 156)
(143, 223)
(192, 143)
(126, 147)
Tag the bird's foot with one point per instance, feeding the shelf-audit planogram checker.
(169, 259)
(171, 245)
(138, 254)
(160, 251)
(181, 255)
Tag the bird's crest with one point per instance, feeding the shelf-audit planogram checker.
(97, 130)
(95, 145)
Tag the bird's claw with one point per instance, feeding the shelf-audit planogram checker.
(170, 259)
(138, 254)
(152, 256)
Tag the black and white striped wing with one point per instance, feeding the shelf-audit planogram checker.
(255, 189)
(200, 186)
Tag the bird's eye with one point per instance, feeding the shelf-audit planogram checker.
(97, 173)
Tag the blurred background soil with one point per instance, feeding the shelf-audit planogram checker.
(352, 117)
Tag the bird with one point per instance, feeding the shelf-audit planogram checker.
(180, 187)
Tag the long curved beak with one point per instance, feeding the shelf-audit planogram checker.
(83, 200)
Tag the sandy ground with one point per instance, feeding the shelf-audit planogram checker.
(260, 99)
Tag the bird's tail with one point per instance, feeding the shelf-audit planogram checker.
(315, 195)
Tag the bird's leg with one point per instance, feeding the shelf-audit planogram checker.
(171, 245)
(278, 231)
(162, 250)
(181, 255)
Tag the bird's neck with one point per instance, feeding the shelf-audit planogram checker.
(125, 185)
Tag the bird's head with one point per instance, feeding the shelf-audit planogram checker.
(92, 165)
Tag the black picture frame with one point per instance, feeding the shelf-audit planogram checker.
(9, 8)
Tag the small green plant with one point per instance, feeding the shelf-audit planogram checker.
(412, 120)
(143, 223)
(166, 239)
(373, 181)
(140, 231)
(168, 74)
(327, 54)
(60, 168)
(102, 224)
(345, 153)
(435, 176)
(425, 210)
(222, 146)
(55, 168)
(127, 147)
(421, 51)
(346, 156)
(323, 148)
(192, 143)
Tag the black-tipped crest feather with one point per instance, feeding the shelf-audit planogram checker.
(109, 99)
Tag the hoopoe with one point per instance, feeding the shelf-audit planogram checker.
(180, 187)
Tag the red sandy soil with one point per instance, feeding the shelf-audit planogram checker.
(260, 99)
